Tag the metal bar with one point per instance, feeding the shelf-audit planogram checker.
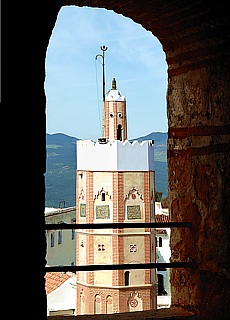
(116, 225)
(96, 267)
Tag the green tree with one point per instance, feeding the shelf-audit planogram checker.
(158, 196)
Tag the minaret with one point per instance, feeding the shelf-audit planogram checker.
(115, 122)
(115, 182)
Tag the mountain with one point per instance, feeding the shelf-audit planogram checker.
(60, 170)
(160, 144)
(60, 177)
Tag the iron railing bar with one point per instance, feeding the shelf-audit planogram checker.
(120, 266)
(116, 225)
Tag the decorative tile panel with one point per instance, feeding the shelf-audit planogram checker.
(102, 212)
(82, 210)
(133, 212)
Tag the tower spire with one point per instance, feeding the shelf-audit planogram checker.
(103, 49)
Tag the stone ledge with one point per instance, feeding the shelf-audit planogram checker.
(159, 314)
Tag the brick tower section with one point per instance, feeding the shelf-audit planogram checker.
(118, 243)
(89, 219)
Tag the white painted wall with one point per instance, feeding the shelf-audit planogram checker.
(164, 254)
(63, 298)
(115, 155)
(64, 253)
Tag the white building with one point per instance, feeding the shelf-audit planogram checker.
(61, 293)
(163, 254)
(61, 244)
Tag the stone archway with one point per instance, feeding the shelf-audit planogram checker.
(195, 38)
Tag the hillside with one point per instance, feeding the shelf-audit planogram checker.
(60, 174)
(160, 144)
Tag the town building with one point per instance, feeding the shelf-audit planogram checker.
(61, 293)
(61, 244)
(163, 254)
(65, 253)
(115, 183)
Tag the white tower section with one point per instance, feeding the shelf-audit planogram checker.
(115, 156)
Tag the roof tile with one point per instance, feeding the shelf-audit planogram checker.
(53, 280)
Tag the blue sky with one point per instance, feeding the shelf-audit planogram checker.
(73, 84)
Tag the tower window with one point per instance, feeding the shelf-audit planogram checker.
(132, 248)
(103, 196)
(101, 247)
(119, 133)
(127, 278)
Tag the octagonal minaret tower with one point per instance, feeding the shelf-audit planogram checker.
(115, 182)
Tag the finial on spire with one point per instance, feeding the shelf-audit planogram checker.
(103, 49)
(114, 84)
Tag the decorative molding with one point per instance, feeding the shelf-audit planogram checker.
(133, 193)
